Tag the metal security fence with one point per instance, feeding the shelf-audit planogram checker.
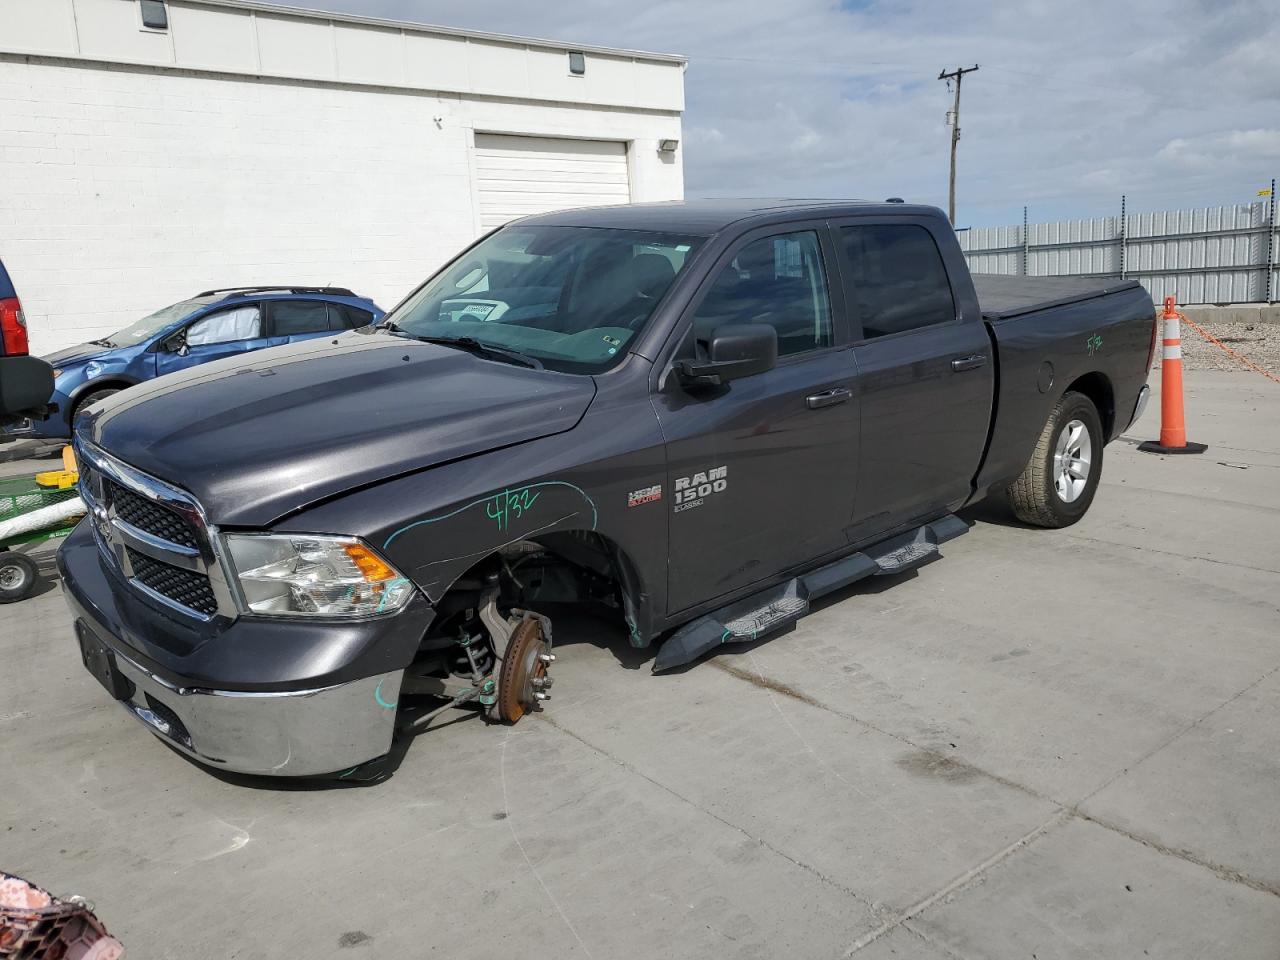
(1206, 255)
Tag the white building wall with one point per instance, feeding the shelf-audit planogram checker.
(127, 187)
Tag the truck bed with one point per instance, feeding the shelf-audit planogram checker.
(1002, 297)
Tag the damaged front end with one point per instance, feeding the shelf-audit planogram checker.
(505, 668)
(487, 647)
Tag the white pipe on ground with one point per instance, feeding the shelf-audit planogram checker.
(54, 515)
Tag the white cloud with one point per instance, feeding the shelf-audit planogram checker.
(1259, 148)
(1074, 103)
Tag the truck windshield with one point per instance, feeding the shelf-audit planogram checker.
(572, 298)
(153, 323)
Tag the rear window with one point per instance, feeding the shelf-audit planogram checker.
(343, 316)
(897, 277)
(6, 288)
(293, 317)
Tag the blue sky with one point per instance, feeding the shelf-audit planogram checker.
(1174, 103)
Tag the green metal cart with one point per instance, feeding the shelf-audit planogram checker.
(23, 496)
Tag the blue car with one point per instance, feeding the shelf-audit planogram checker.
(215, 324)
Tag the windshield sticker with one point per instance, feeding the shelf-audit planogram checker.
(693, 491)
(644, 495)
(1094, 344)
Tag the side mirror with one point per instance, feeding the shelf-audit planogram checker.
(26, 384)
(177, 343)
(737, 350)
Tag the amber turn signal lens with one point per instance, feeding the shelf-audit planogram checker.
(373, 569)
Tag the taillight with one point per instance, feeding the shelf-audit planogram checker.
(13, 327)
(1151, 348)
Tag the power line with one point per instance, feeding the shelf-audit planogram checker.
(957, 75)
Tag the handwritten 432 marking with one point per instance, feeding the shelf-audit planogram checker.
(509, 503)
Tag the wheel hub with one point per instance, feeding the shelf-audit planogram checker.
(522, 679)
(12, 577)
(1072, 458)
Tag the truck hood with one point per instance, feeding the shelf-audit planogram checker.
(258, 437)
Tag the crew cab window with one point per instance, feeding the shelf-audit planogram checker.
(897, 278)
(779, 281)
(571, 298)
(239, 323)
(290, 317)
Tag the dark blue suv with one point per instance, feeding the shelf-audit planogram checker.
(215, 324)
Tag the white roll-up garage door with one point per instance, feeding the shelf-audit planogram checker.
(519, 176)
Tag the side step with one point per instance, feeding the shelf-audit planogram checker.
(784, 604)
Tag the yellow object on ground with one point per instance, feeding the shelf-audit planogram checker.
(65, 478)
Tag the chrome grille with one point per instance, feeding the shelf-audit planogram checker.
(149, 516)
(156, 535)
(181, 586)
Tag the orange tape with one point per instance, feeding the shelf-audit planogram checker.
(1218, 343)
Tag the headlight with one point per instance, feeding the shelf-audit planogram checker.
(57, 372)
(305, 575)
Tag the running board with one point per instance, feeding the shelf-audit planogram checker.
(784, 604)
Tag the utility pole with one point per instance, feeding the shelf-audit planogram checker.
(957, 75)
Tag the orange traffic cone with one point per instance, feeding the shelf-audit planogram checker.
(1173, 425)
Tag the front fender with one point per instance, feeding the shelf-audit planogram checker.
(110, 380)
(435, 525)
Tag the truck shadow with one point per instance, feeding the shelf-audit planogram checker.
(12, 450)
(370, 774)
(994, 510)
(574, 625)
(601, 627)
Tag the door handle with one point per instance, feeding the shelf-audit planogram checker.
(972, 362)
(827, 398)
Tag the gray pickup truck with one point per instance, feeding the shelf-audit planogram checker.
(700, 416)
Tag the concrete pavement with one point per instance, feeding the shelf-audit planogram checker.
(1049, 744)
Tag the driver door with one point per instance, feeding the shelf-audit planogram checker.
(223, 333)
(760, 470)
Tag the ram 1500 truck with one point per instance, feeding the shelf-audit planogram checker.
(701, 414)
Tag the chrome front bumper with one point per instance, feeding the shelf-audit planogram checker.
(299, 728)
(293, 733)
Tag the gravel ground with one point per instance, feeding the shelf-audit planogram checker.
(1260, 342)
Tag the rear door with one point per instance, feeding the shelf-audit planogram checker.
(926, 373)
(760, 471)
(290, 321)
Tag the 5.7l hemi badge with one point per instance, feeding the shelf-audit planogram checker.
(644, 495)
(693, 491)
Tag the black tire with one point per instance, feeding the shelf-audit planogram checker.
(1045, 496)
(93, 397)
(18, 575)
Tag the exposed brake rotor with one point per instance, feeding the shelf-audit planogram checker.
(522, 678)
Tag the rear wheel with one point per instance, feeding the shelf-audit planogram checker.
(17, 577)
(1058, 484)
